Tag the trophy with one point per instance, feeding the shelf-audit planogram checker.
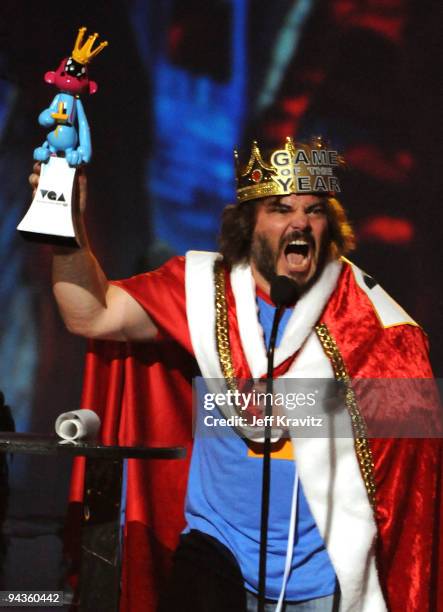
(50, 217)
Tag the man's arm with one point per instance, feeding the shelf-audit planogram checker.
(89, 305)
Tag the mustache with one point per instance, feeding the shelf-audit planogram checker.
(295, 235)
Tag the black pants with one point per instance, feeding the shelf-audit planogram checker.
(205, 577)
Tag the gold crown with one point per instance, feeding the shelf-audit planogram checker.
(84, 54)
(298, 168)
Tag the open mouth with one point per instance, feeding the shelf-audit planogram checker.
(297, 252)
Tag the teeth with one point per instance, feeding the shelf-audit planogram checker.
(299, 241)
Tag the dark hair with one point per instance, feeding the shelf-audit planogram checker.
(340, 230)
(237, 227)
(238, 223)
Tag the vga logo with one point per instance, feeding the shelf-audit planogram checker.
(53, 196)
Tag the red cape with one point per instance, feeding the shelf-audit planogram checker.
(408, 472)
(143, 394)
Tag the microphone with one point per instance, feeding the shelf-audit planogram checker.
(284, 292)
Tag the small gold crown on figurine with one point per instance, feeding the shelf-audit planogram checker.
(297, 168)
(83, 53)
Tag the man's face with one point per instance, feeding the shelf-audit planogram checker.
(290, 238)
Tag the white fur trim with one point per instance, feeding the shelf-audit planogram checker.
(200, 310)
(251, 332)
(330, 474)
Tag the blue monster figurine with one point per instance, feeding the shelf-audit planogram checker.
(66, 109)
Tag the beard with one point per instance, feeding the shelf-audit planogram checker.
(265, 258)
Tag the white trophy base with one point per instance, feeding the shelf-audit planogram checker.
(49, 218)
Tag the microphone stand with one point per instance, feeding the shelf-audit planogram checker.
(266, 478)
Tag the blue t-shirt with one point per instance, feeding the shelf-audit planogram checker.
(224, 497)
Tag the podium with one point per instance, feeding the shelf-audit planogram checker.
(100, 528)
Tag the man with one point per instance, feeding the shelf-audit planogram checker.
(352, 509)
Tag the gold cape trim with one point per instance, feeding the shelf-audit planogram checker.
(222, 326)
(362, 448)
